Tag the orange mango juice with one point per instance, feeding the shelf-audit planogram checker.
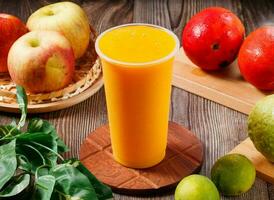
(137, 64)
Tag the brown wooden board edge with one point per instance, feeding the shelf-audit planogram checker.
(54, 106)
(211, 94)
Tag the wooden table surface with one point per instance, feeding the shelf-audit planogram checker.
(219, 128)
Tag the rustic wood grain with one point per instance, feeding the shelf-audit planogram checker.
(107, 13)
(257, 14)
(218, 127)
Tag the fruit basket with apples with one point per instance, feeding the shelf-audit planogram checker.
(53, 57)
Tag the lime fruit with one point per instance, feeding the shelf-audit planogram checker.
(196, 187)
(233, 174)
(261, 126)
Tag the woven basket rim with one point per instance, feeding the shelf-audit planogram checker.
(89, 67)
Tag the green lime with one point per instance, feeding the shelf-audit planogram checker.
(196, 187)
(261, 126)
(233, 174)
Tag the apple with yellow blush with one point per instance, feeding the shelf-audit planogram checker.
(41, 61)
(67, 18)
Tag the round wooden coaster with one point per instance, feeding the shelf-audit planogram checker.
(184, 156)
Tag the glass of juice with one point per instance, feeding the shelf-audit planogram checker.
(137, 64)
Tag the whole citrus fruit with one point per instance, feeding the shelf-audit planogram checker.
(196, 187)
(261, 126)
(256, 58)
(233, 174)
(212, 38)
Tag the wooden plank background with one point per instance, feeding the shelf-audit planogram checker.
(218, 127)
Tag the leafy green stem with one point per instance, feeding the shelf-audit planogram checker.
(38, 168)
(60, 193)
(38, 152)
(43, 146)
(22, 103)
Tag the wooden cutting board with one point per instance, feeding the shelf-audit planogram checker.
(226, 87)
(264, 168)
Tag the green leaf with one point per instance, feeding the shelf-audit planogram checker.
(44, 186)
(22, 101)
(16, 185)
(62, 148)
(72, 184)
(23, 163)
(36, 159)
(42, 171)
(103, 192)
(39, 149)
(8, 162)
(36, 125)
(7, 132)
(39, 125)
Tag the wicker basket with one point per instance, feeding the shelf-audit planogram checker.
(87, 71)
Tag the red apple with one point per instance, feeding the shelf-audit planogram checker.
(41, 61)
(256, 58)
(212, 38)
(67, 18)
(11, 28)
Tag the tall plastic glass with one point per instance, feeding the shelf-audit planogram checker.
(137, 64)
